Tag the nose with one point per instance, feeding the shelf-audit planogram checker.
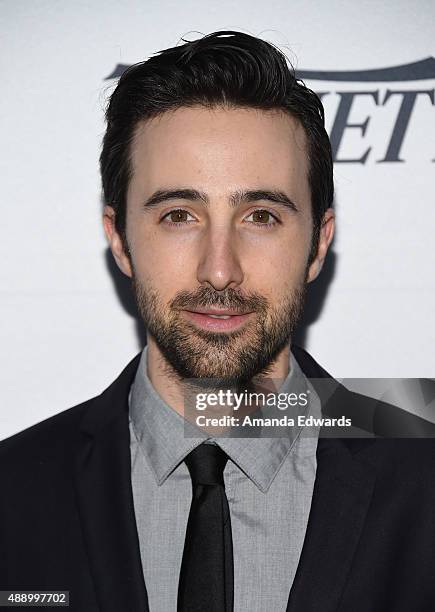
(219, 264)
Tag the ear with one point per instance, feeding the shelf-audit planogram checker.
(326, 234)
(115, 241)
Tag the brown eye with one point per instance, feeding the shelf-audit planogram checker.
(178, 216)
(261, 216)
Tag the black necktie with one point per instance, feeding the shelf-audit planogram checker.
(206, 576)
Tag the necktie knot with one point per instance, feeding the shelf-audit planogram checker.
(206, 464)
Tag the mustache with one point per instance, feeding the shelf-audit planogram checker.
(230, 299)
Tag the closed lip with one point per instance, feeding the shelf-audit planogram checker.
(214, 311)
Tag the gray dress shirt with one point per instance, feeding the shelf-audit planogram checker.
(269, 485)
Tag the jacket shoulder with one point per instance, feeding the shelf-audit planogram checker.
(54, 438)
(44, 437)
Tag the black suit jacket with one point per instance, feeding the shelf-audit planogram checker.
(67, 518)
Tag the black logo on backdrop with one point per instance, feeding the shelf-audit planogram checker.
(415, 71)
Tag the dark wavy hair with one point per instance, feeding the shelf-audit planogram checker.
(223, 68)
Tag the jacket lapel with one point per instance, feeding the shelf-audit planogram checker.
(105, 499)
(342, 493)
(341, 498)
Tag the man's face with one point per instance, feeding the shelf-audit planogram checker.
(219, 219)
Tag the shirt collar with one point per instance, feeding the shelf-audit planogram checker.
(166, 438)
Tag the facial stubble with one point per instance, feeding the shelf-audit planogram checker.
(234, 357)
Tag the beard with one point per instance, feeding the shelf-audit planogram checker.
(234, 358)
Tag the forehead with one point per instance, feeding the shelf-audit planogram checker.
(234, 145)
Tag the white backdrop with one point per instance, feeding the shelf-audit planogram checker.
(64, 332)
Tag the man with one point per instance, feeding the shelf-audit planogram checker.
(217, 178)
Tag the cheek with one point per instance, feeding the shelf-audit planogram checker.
(280, 267)
(158, 264)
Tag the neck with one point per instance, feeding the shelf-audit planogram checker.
(170, 387)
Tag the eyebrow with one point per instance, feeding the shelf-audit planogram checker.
(236, 198)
